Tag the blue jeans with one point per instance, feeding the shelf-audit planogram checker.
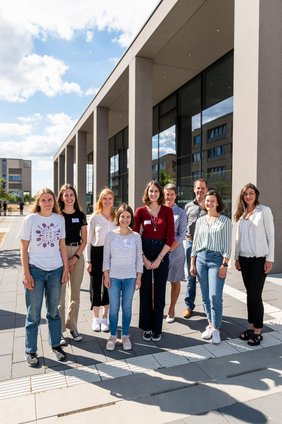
(207, 265)
(125, 288)
(46, 283)
(191, 281)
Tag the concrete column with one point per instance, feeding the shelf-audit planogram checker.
(81, 161)
(69, 155)
(61, 171)
(140, 126)
(257, 128)
(100, 150)
(55, 178)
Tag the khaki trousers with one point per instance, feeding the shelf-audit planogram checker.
(69, 318)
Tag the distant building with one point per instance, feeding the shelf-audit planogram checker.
(16, 174)
(197, 94)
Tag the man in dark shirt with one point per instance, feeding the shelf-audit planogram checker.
(193, 210)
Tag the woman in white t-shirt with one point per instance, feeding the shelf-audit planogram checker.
(45, 267)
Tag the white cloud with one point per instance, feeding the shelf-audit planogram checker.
(91, 91)
(89, 36)
(36, 141)
(23, 73)
(16, 129)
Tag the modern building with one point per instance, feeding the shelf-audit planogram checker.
(198, 93)
(16, 175)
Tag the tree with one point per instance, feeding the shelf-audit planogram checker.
(3, 192)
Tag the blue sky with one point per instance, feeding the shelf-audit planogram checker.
(54, 57)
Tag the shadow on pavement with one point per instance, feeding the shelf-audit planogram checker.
(10, 258)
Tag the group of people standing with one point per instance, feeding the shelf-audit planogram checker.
(127, 251)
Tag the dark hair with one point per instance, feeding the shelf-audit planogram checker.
(241, 204)
(220, 207)
(145, 197)
(61, 203)
(45, 190)
(124, 207)
(200, 180)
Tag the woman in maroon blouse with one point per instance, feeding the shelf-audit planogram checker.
(157, 238)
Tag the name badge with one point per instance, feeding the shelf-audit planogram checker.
(147, 222)
(75, 220)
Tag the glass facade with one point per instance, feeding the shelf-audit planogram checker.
(192, 135)
(192, 138)
(118, 166)
(89, 184)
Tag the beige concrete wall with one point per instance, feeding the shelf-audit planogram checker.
(100, 151)
(140, 129)
(257, 152)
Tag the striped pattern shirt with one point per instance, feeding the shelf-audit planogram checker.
(215, 237)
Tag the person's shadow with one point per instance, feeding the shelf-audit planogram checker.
(10, 259)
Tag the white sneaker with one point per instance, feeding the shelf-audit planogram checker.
(111, 343)
(63, 341)
(216, 336)
(104, 324)
(126, 343)
(96, 324)
(207, 334)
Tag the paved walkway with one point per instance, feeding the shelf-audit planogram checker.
(180, 378)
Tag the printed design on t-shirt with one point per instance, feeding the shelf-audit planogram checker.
(47, 235)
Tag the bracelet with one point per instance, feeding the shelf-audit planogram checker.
(76, 255)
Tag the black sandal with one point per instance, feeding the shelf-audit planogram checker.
(255, 339)
(247, 334)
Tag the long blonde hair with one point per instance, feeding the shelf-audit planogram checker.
(99, 204)
(37, 208)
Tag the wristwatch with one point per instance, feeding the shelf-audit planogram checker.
(225, 264)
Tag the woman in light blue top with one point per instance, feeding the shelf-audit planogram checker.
(123, 267)
(209, 261)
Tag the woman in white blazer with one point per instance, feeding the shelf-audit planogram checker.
(254, 256)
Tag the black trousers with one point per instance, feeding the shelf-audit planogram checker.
(151, 311)
(254, 277)
(98, 292)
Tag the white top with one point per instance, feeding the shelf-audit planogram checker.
(98, 228)
(44, 234)
(245, 246)
(123, 255)
(261, 233)
(215, 237)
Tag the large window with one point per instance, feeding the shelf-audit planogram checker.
(196, 124)
(89, 184)
(118, 165)
(164, 141)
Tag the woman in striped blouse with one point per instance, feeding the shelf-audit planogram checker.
(209, 261)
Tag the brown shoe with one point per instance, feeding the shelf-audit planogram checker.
(187, 313)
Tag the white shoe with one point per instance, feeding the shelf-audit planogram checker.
(126, 343)
(111, 343)
(104, 324)
(216, 336)
(207, 334)
(63, 341)
(169, 319)
(96, 324)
